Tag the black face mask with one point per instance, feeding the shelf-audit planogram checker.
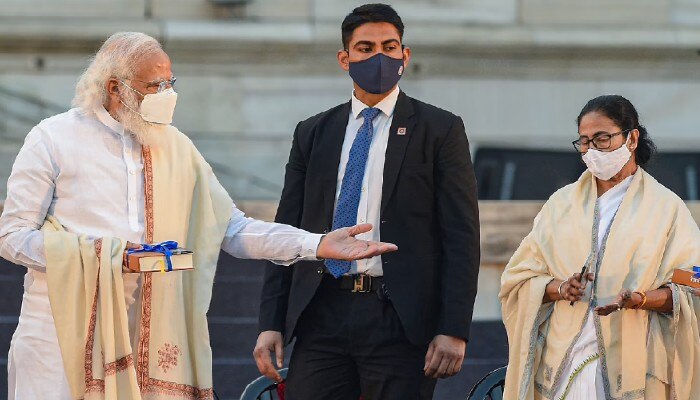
(377, 74)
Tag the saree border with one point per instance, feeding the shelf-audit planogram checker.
(631, 394)
(591, 259)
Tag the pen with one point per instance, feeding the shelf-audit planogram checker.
(583, 273)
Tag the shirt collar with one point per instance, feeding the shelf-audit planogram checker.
(387, 104)
(108, 121)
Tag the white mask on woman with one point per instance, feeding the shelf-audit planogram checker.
(606, 164)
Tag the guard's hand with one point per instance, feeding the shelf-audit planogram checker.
(574, 289)
(444, 357)
(268, 342)
(342, 245)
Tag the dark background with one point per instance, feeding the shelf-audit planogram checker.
(233, 328)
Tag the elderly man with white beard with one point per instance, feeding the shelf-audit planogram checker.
(86, 186)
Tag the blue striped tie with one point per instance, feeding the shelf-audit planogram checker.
(351, 189)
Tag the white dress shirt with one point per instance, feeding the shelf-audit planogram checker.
(368, 210)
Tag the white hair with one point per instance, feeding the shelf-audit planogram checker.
(117, 58)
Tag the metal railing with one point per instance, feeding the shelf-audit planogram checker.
(24, 108)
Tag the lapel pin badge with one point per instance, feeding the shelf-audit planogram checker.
(401, 131)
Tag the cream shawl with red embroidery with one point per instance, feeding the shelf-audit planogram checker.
(170, 356)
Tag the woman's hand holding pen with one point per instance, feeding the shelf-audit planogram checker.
(574, 288)
(571, 289)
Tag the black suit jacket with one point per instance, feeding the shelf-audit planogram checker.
(428, 208)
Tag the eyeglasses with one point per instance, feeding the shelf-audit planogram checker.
(601, 141)
(158, 86)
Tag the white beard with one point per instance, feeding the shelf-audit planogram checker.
(146, 133)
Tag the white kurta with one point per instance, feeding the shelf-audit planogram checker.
(588, 383)
(85, 170)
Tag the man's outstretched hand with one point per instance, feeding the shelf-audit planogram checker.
(342, 245)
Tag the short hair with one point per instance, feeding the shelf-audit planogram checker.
(624, 115)
(361, 15)
(118, 58)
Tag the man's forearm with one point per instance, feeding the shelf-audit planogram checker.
(458, 296)
(660, 300)
(279, 243)
(274, 298)
(24, 247)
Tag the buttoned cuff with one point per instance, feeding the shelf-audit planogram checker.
(309, 246)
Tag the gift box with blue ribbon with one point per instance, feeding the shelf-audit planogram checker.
(159, 257)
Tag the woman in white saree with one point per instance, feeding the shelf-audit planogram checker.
(587, 301)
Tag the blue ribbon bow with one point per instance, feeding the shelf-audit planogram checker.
(696, 269)
(165, 248)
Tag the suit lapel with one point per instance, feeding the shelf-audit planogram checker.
(330, 147)
(400, 133)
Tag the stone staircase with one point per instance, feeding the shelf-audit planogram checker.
(19, 112)
(233, 327)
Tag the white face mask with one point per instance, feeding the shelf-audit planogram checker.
(157, 108)
(606, 164)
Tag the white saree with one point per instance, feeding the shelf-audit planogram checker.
(583, 378)
(642, 354)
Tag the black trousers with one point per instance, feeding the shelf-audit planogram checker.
(351, 344)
